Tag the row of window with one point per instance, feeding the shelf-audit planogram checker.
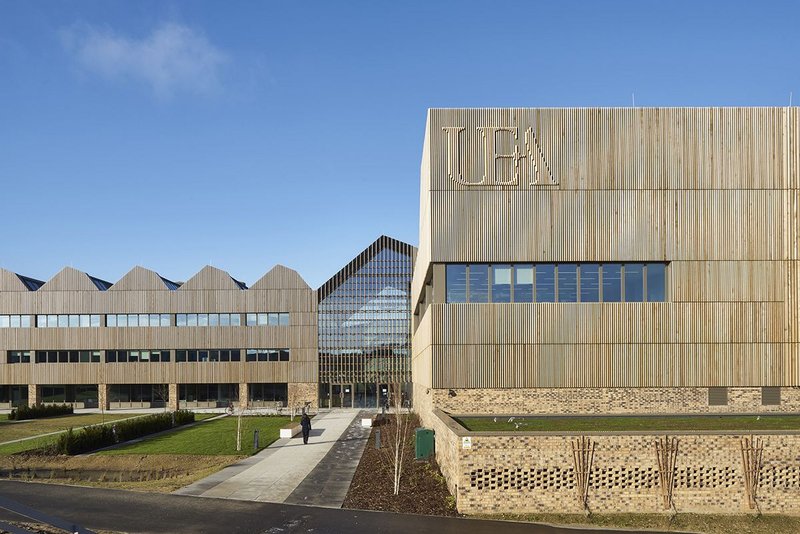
(16, 321)
(128, 320)
(267, 355)
(67, 321)
(267, 319)
(224, 355)
(208, 319)
(556, 282)
(128, 356)
(67, 356)
(123, 356)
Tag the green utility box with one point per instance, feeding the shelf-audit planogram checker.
(425, 443)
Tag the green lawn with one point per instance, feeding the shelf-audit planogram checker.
(211, 438)
(10, 430)
(631, 423)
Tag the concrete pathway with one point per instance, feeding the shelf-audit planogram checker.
(273, 474)
(328, 483)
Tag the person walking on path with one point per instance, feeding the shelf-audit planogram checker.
(305, 424)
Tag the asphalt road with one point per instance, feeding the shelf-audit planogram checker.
(133, 512)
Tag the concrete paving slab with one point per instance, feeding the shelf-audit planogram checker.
(279, 468)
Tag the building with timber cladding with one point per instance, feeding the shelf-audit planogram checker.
(608, 260)
(148, 341)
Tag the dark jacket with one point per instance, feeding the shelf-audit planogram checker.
(305, 422)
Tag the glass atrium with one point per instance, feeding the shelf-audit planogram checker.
(365, 328)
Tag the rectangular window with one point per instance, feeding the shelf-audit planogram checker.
(111, 356)
(252, 319)
(133, 356)
(501, 283)
(180, 355)
(5, 321)
(273, 319)
(202, 319)
(612, 282)
(133, 320)
(25, 321)
(144, 319)
(456, 282)
(94, 321)
(62, 321)
(224, 319)
(41, 321)
(478, 283)
(85, 322)
(567, 282)
(164, 319)
(656, 282)
(590, 282)
(122, 320)
(213, 319)
(284, 355)
(634, 282)
(191, 355)
(523, 283)
(252, 355)
(284, 319)
(74, 321)
(191, 319)
(263, 319)
(545, 282)
(180, 319)
(14, 321)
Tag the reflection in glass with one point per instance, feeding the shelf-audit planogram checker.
(456, 279)
(479, 283)
(501, 283)
(634, 282)
(612, 282)
(545, 282)
(590, 282)
(567, 282)
(656, 282)
(523, 283)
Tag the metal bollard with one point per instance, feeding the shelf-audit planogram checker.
(378, 439)
(255, 439)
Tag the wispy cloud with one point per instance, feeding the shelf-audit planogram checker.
(172, 59)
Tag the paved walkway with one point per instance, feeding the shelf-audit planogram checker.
(274, 474)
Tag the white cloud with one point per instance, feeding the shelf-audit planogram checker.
(173, 58)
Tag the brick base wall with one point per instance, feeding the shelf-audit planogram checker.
(599, 400)
(301, 392)
(535, 472)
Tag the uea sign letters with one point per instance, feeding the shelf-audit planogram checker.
(528, 160)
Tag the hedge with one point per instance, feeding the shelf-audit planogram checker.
(95, 437)
(38, 411)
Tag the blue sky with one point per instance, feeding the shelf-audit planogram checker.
(245, 134)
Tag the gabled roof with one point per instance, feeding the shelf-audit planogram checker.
(380, 244)
(143, 279)
(69, 279)
(10, 281)
(281, 277)
(212, 278)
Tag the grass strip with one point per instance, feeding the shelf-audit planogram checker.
(213, 438)
(744, 423)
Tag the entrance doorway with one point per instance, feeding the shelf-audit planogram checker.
(341, 395)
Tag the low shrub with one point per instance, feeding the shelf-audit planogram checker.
(37, 411)
(95, 437)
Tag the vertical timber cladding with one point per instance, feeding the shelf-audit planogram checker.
(143, 291)
(713, 192)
